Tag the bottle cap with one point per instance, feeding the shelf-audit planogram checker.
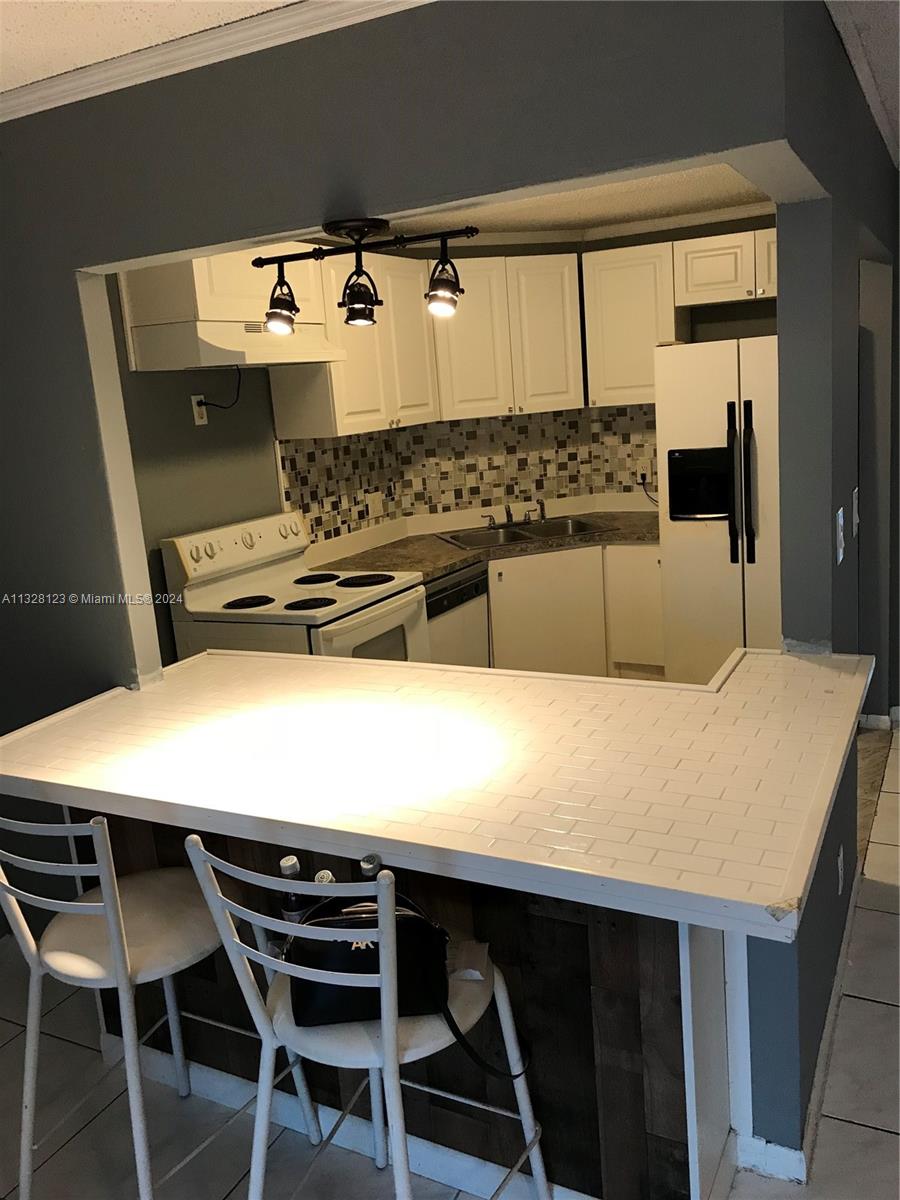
(290, 866)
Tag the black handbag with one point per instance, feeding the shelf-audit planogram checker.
(422, 984)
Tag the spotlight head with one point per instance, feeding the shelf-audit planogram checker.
(359, 299)
(282, 309)
(443, 290)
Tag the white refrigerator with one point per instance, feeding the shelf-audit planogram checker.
(717, 450)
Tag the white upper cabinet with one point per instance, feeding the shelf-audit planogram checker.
(629, 310)
(766, 262)
(388, 378)
(713, 270)
(405, 328)
(545, 332)
(222, 287)
(474, 363)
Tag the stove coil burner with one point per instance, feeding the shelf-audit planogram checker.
(309, 603)
(249, 602)
(363, 581)
(321, 577)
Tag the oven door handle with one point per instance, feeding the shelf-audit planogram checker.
(747, 469)
(731, 443)
(405, 602)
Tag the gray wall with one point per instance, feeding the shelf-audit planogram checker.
(790, 984)
(195, 477)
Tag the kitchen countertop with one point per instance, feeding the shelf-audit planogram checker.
(704, 804)
(431, 554)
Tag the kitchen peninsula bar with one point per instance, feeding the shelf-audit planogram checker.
(666, 837)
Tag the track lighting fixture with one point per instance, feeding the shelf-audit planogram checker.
(360, 297)
(282, 306)
(444, 290)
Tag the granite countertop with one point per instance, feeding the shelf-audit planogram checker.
(434, 556)
(702, 803)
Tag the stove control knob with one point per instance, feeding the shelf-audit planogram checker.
(295, 528)
(210, 550)
(283, 529)
(196, 552)
(248, 539)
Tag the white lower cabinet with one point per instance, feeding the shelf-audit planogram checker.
(547, 612)
(632, 582)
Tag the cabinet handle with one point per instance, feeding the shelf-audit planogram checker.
(521, 409)
(510, 409)
(749, 291)
(760, 291)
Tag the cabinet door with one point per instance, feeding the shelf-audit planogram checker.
(715, 269)
(545, 332)
(766, 248)
(405, 327)
(628, 311)
(632, 591)
(473, 356)
(547, 612)
(359, 383)
(229, 288)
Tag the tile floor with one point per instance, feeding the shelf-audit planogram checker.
(89, 1158)
(857, 1149)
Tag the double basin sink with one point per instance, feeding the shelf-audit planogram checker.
(526, 531)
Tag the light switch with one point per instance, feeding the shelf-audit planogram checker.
(855, 511)
(839, 535)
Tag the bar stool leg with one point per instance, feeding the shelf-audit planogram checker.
(310, 1116)
(173, 1013)
(29, 1089)
(520, 1086)
(376, 1095)
(135, 1092)
(396, 1121)
(261, 1123)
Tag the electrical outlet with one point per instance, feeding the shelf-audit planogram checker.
(644, 467)
(375, 503)
(839, 535)
(201, 416)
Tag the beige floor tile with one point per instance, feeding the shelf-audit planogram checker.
(850, 1163)
(878, 887)
(886, 827)
(338, 1174)
(873, 960)
(65, 1074)
(862, 1081)
(892, 771)
(14, 992)
(9, 1030)
(75, 1019)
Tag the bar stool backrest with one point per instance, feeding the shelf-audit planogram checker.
(108, 907)
(240, 954)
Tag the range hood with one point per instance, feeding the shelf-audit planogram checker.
(181, 345)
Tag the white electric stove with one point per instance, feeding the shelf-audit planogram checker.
(247, 587)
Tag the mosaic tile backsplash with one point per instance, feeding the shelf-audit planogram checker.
(448, 465)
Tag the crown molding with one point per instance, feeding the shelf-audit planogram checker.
(304, 19)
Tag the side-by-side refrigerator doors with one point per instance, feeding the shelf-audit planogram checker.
(703, 603)
(761, 505)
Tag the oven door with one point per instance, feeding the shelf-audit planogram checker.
(395, 629)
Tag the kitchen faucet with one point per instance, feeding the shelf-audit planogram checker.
(509, 516)
(542, 508)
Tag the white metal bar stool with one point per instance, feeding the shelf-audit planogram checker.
(143, 927)
(377, 1046)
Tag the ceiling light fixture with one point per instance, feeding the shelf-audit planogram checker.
(444, 290)
(282, 306)
(360, 295)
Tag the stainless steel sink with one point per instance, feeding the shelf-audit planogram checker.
(559, 527)
(478, 539)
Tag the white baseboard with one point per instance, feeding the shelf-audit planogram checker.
(443, 1165)
(766, 1158)
(874, 721)
(895, 717)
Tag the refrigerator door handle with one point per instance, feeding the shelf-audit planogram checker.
(731, 442)
(747, 470)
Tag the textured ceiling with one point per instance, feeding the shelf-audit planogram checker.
(677, 193)
(38, 40)
(870, 31)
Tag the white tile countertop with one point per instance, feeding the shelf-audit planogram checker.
(704, 804)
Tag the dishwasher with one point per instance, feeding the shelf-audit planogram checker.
(457, 609)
